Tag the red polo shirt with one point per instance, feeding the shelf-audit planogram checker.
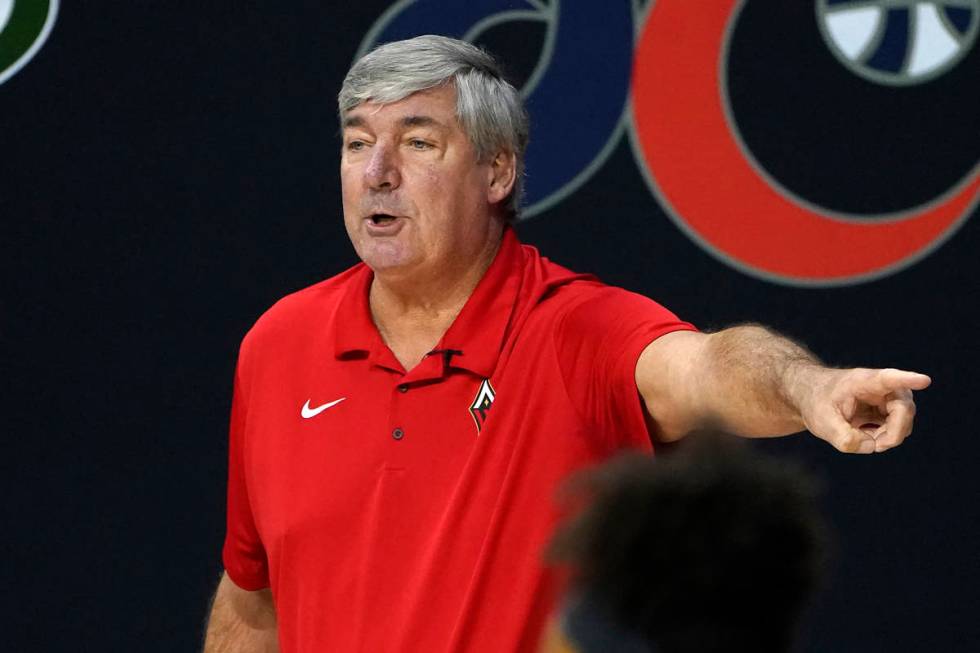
(406, 511)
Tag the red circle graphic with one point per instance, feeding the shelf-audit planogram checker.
(707, 183)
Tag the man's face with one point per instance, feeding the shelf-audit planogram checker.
(416, 199)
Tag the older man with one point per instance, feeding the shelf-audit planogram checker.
(398, 430)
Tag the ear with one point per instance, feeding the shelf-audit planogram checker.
(501, 176)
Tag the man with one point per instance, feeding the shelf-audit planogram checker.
(398, 430)
(709, 550)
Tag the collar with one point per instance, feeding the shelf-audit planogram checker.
(475, 337)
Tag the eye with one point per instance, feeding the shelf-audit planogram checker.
(355, 146)
(418, 144)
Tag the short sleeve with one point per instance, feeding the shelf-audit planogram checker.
(243, 555)
(598, 342)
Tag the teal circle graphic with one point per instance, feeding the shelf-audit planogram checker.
(24, 27)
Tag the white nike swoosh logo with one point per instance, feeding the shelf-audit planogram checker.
(308, 412)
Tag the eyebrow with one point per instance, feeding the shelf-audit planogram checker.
(407, 121)
(420, 121)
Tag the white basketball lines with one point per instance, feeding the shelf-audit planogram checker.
(852, 30)
(899, 42)
(934, 44)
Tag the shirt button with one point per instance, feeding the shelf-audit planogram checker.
(403, 387)
(398, 434)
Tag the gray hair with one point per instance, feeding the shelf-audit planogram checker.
(488, 108)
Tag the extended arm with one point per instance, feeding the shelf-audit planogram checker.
(753, 382)
(241, 621)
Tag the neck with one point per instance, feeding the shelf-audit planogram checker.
(413, 312)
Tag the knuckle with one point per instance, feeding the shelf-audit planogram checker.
(888, 440)
(905, 425)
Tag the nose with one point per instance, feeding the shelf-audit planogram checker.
(381, 172)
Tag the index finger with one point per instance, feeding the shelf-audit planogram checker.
(890, 380)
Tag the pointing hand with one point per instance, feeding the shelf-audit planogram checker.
(863, 410)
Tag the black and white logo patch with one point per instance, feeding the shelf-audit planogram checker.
(481, 405)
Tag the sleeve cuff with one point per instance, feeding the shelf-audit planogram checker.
(248, 575)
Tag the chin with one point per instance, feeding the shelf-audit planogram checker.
(382, 257)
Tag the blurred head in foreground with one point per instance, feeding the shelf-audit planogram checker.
(711, 548)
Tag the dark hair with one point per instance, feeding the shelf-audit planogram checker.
(711, 548)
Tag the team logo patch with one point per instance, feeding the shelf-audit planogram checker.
(481, 405)
(24, 27)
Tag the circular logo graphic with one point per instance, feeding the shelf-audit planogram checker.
(898, 42)
(686, 143)
(581, 78)
(24, 27)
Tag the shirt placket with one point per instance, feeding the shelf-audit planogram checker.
(403, 428)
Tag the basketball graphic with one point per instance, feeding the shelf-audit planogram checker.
(899, 43)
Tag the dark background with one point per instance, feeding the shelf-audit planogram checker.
(167, 171)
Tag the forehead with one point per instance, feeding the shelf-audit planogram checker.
(436, 105)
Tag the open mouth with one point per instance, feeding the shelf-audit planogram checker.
(383, 218)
